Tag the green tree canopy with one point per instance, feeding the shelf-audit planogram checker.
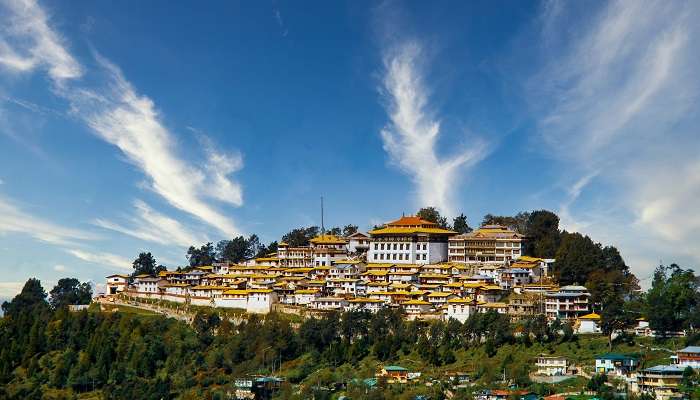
(543, 236)
(433, 215)
(460, 225)
(32, 295)
(70, 291)
(349, 230)
(145, 263)
(672, 300)
(202, 256)
(518, 223)
(300, 236)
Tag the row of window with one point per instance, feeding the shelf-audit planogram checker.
(400, 246)
(399, 257)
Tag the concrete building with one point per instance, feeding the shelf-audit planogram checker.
(416, 307)
(568, 303)
(358, 243)
(661, 381)
(615, 364)
(326, 249)
(687, 357)
(117, 283)
(488, 244)
(409, 240)
(460, 309)
(294, 257)
(394, 374)
(589, 323)
(329, 303)
(551, 365)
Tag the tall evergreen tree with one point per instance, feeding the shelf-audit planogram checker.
(70, 291)
(460, 225)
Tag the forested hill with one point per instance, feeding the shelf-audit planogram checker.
(51, 353)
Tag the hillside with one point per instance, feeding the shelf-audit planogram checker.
(130, 354)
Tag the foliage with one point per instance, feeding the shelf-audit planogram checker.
(125, 354)
(518, 223)
(300, 236)
(673, 300)
(542, 231)
(70, 291)
(202, 256)
(460, 225)
(349, 230)
(145, 263)
(433, 215)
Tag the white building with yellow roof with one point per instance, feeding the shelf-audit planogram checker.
(489, 244)
(460, 308)
(327, 249)
(409, 240)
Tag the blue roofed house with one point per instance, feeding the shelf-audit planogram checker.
(687, 357)
(616, 364)
(394, 374)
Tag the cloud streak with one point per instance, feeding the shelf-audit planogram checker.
(118, 114)
(410, 138)
(617, 100)
(150, 225)
(105, 259)
(28, 25)
(15, 220)
(130, 122)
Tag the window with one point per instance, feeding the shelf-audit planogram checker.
(395, 246)
(394, 256)
(376, 246)
(382, 246)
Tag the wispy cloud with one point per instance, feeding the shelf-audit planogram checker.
(280, 21)
(130, 121)
(150, 225)
(9, 290)
(105, 259)
(15, 220)
(118, 114)
(617, 99)
(34, 42)
(411, 136)
(59, 268)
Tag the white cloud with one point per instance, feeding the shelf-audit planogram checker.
(36, 44)
(15, 220)
(617, 100)
(150, 225)
(129, 121)
(411, 137)
(59, 268)
(105, 259)
(10, 289)
(118, 114)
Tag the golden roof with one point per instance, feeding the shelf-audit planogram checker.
(591, 316)
(416, 302)
(328, 239)
(460, 300)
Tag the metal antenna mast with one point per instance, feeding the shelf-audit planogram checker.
(323, 229)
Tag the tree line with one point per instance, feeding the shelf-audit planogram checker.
(47, 348)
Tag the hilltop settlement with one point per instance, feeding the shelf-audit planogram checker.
(426, 271)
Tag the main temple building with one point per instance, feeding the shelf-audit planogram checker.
(409, 240)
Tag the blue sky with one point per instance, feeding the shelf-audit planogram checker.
(134, 126)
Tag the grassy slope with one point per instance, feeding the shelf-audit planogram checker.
(581, 353)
